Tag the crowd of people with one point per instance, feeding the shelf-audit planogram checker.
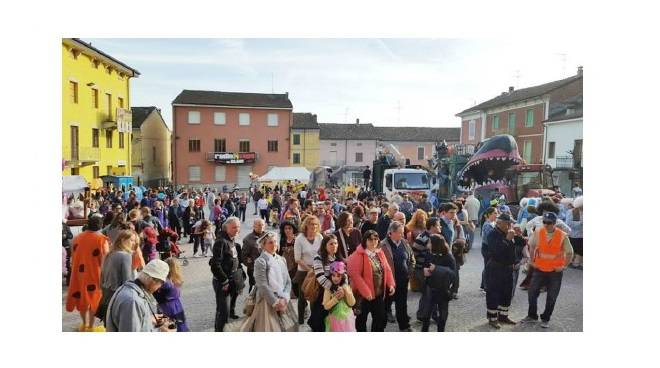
(339, 257)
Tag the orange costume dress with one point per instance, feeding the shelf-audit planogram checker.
(86, 260)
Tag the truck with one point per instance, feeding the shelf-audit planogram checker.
(392, 174)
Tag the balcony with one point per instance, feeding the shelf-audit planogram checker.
(81, 156)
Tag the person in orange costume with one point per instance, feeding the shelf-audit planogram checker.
(84, 293)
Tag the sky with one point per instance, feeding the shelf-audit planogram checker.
(386, 82)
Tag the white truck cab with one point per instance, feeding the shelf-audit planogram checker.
(411, 181)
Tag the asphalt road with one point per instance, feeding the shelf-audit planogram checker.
(468, 313)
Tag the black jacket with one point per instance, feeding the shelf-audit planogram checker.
(66, 236)
(230, 207)
(500, 250)
(224, 262)
(172, 218)
(383, 226)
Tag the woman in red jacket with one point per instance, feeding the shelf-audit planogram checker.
(372, 280)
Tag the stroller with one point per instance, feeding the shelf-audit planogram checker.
(167, 246)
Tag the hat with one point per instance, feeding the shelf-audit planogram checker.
(550, 216)
(157, 269)
(504, 208)
(504, 217)
(338, 267)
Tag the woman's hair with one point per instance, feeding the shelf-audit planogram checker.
(108, 218)
(133, 214)
(432, 221)
(531, 209)
(438, 245)
(307, 222)
(323, 250)
(119, 218)
(95, 223)
(489, 211)
(175, 272)
(343, 219)
(358, 211)
(268, 235)
(417, 221)
(547, 206)
(206, 224)
(459, 205)
(366, 236)
(283, 234)
(123, 241)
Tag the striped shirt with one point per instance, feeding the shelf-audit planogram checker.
(322, 271)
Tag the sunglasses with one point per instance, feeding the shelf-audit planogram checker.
(548, 223)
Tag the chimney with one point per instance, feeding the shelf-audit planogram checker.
(357, 121)
(286, 94)
(579, 70)
(510, 89)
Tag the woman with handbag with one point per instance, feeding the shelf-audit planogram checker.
(305, 248)
(326, 256)
(348, 237)
(269, 305)
(116, 267)
(372, 280)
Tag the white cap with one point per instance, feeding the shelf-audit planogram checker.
(157, 269)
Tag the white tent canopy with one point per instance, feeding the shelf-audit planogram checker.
(286, 173)
(74, 184)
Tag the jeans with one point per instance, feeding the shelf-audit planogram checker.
(251, 280)
(400, 301)
(302, 303)
(264, 215)
(454, 287)
(222, 308)
(241, 213)
(442, 307)
(552, 280)
(377, 309)
(516, 273)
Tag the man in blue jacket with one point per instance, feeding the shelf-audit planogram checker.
(499, 271)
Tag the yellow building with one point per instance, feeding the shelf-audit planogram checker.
(305, 143)
(152, 159)
(96, 114)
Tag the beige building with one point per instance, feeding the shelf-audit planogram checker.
(152, 155)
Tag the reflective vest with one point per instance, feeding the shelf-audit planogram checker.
(549, 254)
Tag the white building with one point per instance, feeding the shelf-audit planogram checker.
(563, 139)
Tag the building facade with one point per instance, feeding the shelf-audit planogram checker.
(305, 141)
(221, 138)
(152, 138)
(417, 144)
(519, 113)
(347, 144)
(96, 119)
(563, 141)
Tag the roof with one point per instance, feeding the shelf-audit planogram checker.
(401, 134)
(522, 94)
(304, 120)
(89, 46)
(219, 98)
(418, 134)
(347, 131)
(560, 110)
(140, 115)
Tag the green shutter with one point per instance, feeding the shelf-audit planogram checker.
(496, 122)
(530, 118)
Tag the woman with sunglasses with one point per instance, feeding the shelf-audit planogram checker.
(372, 280)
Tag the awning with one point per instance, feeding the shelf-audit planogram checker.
(286, 173)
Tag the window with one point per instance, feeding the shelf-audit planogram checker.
(527, 151)
(273, 120)
(296, 139)
(108, 138)
(219, 118)
(194, 173)
(219, 145)
(120, 102)
(95, 98)
(108, 170)
(496, 122)
(359, 144)
(193, 117)
(472, 127)
(121, 140)
(194, 145)
(220, 173)
(358, 156)
(551, 149)
(74, 142)
(95, 171)
(411, 181)
(108, 99)
(296, 158)
(153, 153)
(529, 122)
(272, 146)
(333, 144)
(420, 153)
(95, 137)
(73, 91)
(75, 171)
(512, 120)
(244, 118)
(244, 146)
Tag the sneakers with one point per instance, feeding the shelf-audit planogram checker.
(409, 329)
(233, 315)
(545, 324)
(529, 319)
(494, 324)
(390, 317)
(454, 296)
(506, 320)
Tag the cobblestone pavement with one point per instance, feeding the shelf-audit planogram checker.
(468, 313)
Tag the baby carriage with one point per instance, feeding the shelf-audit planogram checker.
(167, 246)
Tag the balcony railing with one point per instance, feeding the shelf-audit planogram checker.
(564, 162)
(81, 155)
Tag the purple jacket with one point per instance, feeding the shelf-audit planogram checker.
(169, 302)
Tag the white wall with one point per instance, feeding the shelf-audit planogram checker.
(325, 158)
(564, 135)
(368, 149)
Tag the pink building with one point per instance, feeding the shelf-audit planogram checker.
(222, 137)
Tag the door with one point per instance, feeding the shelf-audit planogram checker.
(243, 179)
(332, 158)
(74, 143)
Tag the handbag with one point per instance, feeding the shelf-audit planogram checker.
(310, 287)
(250, 302)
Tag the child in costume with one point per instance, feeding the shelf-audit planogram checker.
(341, 317)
